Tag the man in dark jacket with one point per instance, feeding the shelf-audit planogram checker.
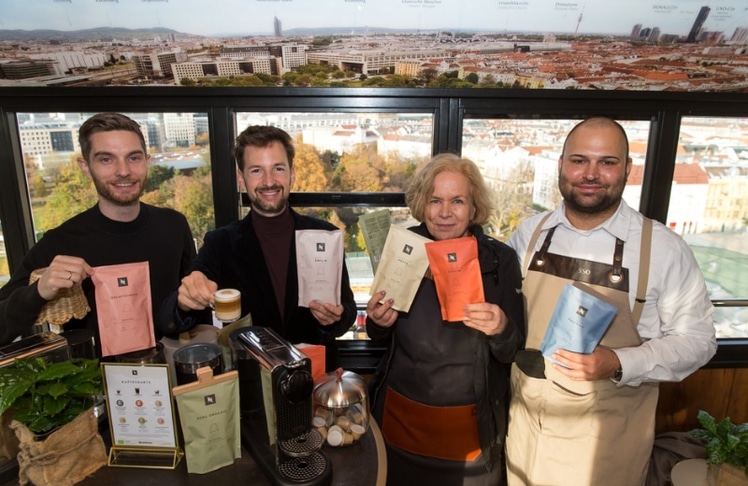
(257, 255)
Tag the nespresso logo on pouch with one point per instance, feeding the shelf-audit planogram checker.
(451, 257)
(320, 246)
(407, 249)
(121, 281)
(582, 311)
(210, 399)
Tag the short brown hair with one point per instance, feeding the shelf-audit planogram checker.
(422, 186)
(262, 136)
(106, 122)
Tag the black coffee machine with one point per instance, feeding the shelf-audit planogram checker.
(276, 388)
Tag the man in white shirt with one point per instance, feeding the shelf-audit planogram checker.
(590, 419)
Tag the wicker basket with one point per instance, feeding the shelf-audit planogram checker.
(67, 304)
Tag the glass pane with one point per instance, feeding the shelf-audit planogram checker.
(709, 208)
(519, 160)
(179, 177)
(352, 152)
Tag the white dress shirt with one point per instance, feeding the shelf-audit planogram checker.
(676, 323)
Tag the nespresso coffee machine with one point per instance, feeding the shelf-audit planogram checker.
(281, 440)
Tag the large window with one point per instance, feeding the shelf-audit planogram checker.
(179, 177)
(709, 208)
(519, 160)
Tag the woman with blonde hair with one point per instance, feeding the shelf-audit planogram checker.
(442, 390)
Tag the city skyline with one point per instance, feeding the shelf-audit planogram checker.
(224, 19)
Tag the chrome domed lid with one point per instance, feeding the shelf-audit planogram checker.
(340, 389)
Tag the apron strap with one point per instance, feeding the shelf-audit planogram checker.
(617, 273)
(645, 254)
(531, 244)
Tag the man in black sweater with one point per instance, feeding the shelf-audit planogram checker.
(257, 254)
(119, 229)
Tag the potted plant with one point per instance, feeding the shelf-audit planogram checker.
(726, 448)
(51, 406)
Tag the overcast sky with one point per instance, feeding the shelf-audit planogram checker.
(246, 17)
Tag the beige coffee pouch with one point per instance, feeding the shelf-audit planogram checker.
(319, 264)
(402, 266)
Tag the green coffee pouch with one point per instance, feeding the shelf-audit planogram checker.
(209, 418)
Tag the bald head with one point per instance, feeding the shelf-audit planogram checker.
(599, 122)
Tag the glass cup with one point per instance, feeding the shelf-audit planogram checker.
(228, 305)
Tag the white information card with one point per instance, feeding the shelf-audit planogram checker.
(140, 405)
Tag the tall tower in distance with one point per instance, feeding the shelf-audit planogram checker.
(579, 21)
(698, 23)
(277, 28)
(635, 31)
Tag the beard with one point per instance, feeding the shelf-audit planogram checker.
(268, 208)
(611, 197)
(118, 199)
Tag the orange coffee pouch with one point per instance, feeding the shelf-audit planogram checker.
(454, 265)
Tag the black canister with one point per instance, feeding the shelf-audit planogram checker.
(188, 359)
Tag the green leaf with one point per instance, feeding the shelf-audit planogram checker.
(57, 389)
(86, 389)
(65, 368)
(12, 392)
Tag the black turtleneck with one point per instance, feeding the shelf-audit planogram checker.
(275, 234)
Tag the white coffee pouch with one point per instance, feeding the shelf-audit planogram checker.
(319, 264)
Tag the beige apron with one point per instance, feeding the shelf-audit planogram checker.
(564, 432)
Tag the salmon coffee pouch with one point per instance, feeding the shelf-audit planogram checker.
(123, 307)
(454, 265)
